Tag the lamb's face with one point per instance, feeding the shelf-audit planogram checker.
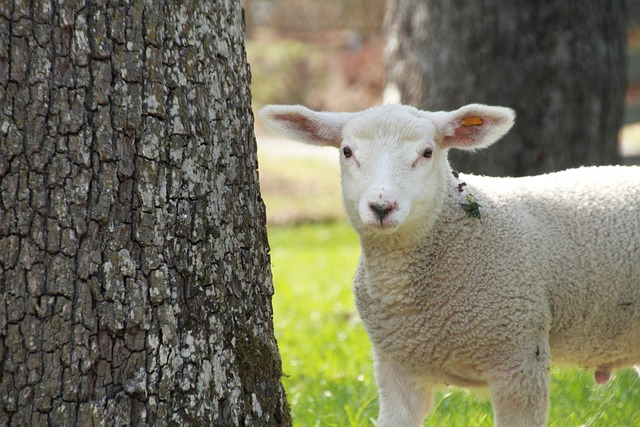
(387, 161)
(394, 156)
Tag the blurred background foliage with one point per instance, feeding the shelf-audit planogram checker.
(326, 55)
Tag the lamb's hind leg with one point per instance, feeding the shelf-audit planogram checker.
(520, 391)
(403, 400)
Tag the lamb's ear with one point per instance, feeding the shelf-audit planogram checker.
(473, 126)
(305, 125)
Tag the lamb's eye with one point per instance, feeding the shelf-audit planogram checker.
(347, 152)
(428, 153)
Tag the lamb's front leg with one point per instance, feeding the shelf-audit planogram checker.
(520, 392)
(404, 400)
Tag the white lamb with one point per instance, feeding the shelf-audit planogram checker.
(479, 281)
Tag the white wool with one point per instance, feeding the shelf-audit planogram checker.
(479, 281)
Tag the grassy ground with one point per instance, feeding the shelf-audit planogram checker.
(327, 356)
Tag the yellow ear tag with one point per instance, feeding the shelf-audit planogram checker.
(471, 121)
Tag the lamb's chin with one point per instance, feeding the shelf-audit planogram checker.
(384, 228)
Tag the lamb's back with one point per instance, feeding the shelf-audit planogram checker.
(576, 233)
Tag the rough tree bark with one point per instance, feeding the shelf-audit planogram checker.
(135, 285)
(560, 65)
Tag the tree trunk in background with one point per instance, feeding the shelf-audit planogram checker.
(560, 65)
(135, 285)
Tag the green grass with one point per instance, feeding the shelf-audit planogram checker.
(327, 356)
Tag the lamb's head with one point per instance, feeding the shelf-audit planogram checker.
(393, 157)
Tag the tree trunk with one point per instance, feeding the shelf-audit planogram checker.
(560, 65)
(135, 285)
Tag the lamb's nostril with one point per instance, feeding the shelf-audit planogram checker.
(381, 209)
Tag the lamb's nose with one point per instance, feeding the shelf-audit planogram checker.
(382, 209)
